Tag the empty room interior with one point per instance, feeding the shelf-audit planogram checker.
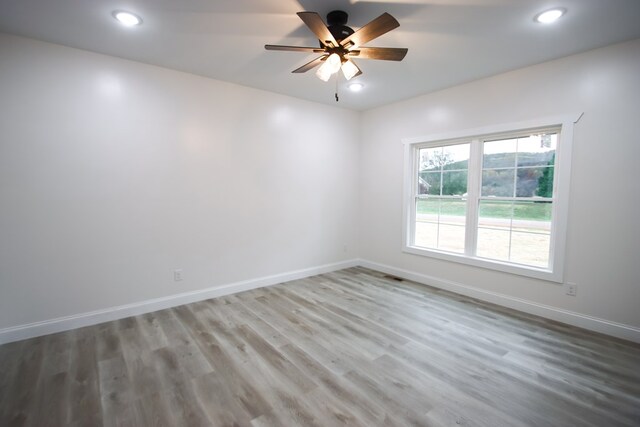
(319, 213)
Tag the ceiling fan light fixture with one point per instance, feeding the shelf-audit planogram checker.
(349, 69)
(334, 62)
(338, 41)
(329, 67)
(127, 19)
(324, 72)
(549, 16)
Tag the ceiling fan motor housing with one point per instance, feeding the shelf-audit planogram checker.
(337, 25)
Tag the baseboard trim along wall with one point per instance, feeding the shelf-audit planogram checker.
(61, 324)
(31, 330)
(595, 324)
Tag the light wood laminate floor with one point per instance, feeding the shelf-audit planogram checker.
(351, 348)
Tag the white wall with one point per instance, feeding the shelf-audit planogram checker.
(604, 219)
(113, 173)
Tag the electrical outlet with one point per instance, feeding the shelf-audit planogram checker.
(571, 289)
(177, 275)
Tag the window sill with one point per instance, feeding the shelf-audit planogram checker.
(520, 270)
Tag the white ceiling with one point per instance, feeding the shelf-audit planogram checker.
(449, 41)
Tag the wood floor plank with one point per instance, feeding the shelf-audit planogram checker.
(108, 343)
(324, 327)
(84, 388)
(210, 338)
(296, 379)
(143, 373)
(396, 408)
(348, 348)
(335, 385)
(52, 411)
(239, 314)
(366, 338)
(10, 356)
(375, 331)
(313, 342)
(117, 397)
(153, 409)
(414, 324)
(278, 382)
(185, 406)
(20, 399)
(480, 403)
(219, 401)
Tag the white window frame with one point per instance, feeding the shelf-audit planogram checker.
(560, 206)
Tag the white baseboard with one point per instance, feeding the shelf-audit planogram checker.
(61, 324)
(66, 323)
(591, 323)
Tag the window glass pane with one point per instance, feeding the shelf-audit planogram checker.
(532, 216)
(427, 215)
(453, 211)
(530, 249)
(493, 244)
(530, 179)
(453, 214)
(499, 154)
(454, 183)
(451, 238)
(456, 156)
(440, 224)
(537, 150)
(426, 234)
(497, 182)
(431, 159)
(495, 214)
(429, 183)
(427, 209)
(545, 182)
(514, 231)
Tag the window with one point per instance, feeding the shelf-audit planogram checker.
(440, 200)
(494, 197)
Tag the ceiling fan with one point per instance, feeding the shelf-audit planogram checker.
(339, 44)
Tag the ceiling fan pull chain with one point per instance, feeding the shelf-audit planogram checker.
(337, 77)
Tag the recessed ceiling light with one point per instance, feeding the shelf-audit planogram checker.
(127, 19)
(549, 16)
(356, 87)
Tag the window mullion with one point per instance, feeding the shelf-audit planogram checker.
(474, 177)
(414, 194)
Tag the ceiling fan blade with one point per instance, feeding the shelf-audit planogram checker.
(384, 53)
(309, 65)
(379, 26)
(293, 48)
(319, 28)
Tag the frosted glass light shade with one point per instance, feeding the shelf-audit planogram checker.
(349, 70)
(329, 67)
(324, 72)
(334, 62)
